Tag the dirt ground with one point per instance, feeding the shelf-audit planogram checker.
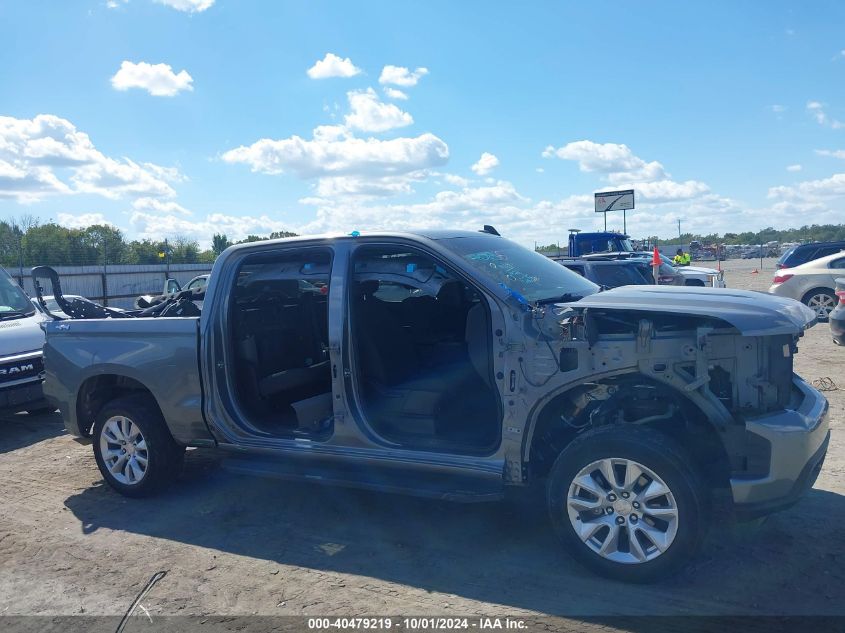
(233, 545)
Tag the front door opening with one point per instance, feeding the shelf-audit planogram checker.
(279, 327)
(422, 339)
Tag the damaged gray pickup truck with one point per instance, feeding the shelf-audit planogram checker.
(456, 365)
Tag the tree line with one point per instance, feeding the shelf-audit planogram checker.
(806, 233)
(27, 242)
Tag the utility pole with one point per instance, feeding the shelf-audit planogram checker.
(679, 228)
(20, 261)
(105, 283)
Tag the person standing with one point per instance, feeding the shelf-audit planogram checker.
(681, 258)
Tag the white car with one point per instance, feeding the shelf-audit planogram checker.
(21, 340)
(698, 275)
(171, 286)
(813, 283)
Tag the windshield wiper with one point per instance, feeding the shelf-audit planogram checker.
(568, 296)
(13, 314)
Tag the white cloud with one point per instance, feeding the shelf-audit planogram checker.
(447, 209)
(666, 190)
(333, 66)
(369, 114)
(47, 155)
(188, 6)
(157, 79)
(485, 164)
(366, 187)
(159, 206)
(617, 161)
(832, 153)
(337, 155)
(795, 167)
(810, 190)
(393, 93)
(156, 226)
(454, 179)
(81, 221)
(777, 108)
(401, 76)
(817, 110)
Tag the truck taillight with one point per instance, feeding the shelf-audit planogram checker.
(841, 295)
(779, 279)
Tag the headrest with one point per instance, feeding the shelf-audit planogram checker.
(368, 288)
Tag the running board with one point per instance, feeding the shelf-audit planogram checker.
(446, 486)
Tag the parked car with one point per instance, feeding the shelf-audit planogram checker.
(495, 368)
(197, 283)
(812, 283)
(670, 275)
(610, 273)
(171, 288)
(21, 340)
(696, 275)
(803, 253)
(837, 317)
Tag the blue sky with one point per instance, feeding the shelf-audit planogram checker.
(187, 117)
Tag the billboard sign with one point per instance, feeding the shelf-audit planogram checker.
(614, 200)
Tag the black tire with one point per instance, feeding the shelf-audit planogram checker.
(668, 461)
(164, 456)
(827, 292)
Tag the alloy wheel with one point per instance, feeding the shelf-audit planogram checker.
(124, 450)
(823, 304)
(622, 510)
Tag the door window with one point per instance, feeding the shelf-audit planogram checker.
(279, 332)
(195, 284)
(421, 337)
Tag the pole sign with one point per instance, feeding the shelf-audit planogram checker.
(614, 200)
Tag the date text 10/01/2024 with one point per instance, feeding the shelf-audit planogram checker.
(416, 623)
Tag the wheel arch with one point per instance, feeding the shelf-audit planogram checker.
(97, 391)
(564, 416)
(817, 289)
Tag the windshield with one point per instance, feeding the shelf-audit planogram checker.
(615, 275)
(604, 244)
(786, 255)
(532, 275)
(12, 298)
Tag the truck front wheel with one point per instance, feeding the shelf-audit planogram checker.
(627, 503)
(133, 448)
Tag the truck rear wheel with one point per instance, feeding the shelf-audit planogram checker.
(133, 448)
(627, 503)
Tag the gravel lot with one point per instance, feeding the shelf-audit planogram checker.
(238, 546)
